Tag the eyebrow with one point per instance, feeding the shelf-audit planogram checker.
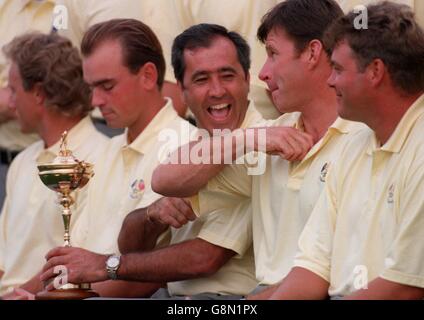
(100, 82)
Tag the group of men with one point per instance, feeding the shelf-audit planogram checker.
(335, 213)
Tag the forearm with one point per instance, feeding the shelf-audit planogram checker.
(301, 284)
(125, 289)
(138, 233)
(193, 165)
(187, 260)
(381, 289)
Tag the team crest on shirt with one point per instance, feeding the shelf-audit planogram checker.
(137, 189)
(324, 172)
(391, 194)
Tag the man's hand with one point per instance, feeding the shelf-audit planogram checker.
(82, 266)
(290, 143)
(175, 212)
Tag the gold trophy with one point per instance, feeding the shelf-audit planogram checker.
(64, 175)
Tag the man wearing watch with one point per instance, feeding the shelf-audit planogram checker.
(112, 266)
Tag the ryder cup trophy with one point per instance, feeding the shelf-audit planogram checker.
(64, 175)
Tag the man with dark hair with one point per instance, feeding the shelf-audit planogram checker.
(211, 256)
(283, 196)
(364, 237)
(49, 96)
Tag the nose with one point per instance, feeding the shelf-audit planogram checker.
(97, 99)
(331, 81)
(216, 89)
(265, 72)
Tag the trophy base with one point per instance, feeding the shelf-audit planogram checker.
(70, 292)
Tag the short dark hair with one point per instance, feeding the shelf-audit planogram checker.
(302, 20)
(52, 62)
(392, 36)
(202, 36)
(139, 43)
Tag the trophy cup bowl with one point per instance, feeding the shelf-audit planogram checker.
(64, 175)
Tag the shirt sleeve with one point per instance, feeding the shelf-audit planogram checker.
(232, 186)
(405, 260)
(231, 229)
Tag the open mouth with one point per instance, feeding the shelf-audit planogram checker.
(220, 111)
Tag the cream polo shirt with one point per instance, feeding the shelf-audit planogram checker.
(31, 222)
(282, 198)
(369, 222)
(123, 179)
(242, 16)
(227, 229)
(17, 17)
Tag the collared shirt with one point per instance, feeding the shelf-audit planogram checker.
(282, 198)
(17, 17)
(369, 222)
(31, 222)
(230, 230)
(123, 181)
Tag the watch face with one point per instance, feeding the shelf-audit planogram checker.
(113, 262)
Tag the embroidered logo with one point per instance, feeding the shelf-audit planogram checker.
(391, 194)
(324, 172)
(137, 189)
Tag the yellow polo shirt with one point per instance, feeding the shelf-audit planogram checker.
(282, 198)
(227, 229)
(369, 222)
(31, 222)
(122, 182)
(242, 16)
(17, 17)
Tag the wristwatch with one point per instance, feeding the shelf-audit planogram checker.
(112, 266)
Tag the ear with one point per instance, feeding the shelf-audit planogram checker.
(182, 91)
(313, 53)
(39, 94)
(149, 76)
(375, 72)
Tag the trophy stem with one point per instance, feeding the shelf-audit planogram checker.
(66, 201)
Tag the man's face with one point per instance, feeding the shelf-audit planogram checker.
(349, 83)
(215, 86)
(284, 72)
(115, 90)
(24, 103)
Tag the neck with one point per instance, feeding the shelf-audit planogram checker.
(150, 109)
(389, 110)
(52, 126)
(319, 113)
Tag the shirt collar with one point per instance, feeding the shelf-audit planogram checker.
(149, 136)
(252, 116)
(401, 133)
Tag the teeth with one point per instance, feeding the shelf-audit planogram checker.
(219, 106)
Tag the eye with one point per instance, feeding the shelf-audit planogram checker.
(228, 76)
(200, 80)
(107, 86)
